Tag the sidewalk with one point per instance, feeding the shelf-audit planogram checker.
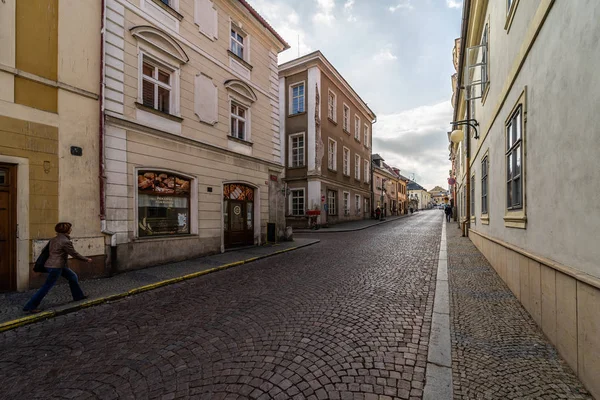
(498, 351)
(352, 225)
(59, 300)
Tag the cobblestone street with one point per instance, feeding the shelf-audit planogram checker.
(347, 318)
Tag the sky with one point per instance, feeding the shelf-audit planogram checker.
(397, 55)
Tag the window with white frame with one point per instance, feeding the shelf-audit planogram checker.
(297, 98)
(357, 127)
(238, 120)
(331, 202)
(508, 5)
(514, 154)
(484, 185)
(367, 174)
(356, 166)
(366, 138)
(297, 201)
(346, 118)
(472, 199)
(346, 203)
(332, 154)
(296, 150)
(237, 42)
(332, 106)
(357, 201)
(484, 59)
(346, 161)
(156, 85)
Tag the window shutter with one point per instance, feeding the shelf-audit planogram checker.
(205, 16)
(206, 98)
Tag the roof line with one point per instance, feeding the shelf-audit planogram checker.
(265, 23)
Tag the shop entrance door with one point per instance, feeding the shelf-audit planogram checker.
(8, 227)
(238, 209)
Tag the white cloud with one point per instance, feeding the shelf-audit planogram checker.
(384, 55)
(325, 11)
(403, 4)
(454, 3)
(348, 6)
(415, 141)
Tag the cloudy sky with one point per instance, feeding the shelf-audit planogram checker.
(397, 55)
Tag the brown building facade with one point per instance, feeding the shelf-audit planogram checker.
(326, 130)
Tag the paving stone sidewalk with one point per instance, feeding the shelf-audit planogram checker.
(354, 225)
(498, 352)
(59, 298)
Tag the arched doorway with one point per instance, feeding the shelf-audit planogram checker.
(238, 214)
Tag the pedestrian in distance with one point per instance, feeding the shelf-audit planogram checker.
(378, 213)
(60, 248)
(448, 212)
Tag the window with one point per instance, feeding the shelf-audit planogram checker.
(514, 153)
(297, 100)
(163, 203)
(378, 183)
(297, 199)
(332, 155)
(366, 138)
(296, 150)
(346, 118)
(331, 106)
(331, 202)
(357, 127)
(346, 203)
(367, 174)
(237, 43)
(484, 185)
(484, 59)
(472, 199)
(356, 166)
(166, 2)
(508, 5)
(156, 86)
(238, 121)
(346, 161)
(357, 204)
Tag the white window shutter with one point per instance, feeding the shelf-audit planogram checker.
(205, 16)
(206, 98)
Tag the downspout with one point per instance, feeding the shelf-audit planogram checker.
(101, 171)
(371, 170)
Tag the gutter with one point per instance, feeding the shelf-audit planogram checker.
(102, 167)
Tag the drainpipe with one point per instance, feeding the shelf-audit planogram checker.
(101, 172)
(468, 159)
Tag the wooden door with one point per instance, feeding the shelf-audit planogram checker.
(8, 227)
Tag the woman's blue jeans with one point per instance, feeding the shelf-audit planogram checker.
(53, 275)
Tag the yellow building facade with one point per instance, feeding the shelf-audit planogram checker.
(49, 74)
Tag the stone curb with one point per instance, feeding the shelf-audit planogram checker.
(351, 230)
(16, 323)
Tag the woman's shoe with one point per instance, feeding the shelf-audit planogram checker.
(34, 311)
(83, 298)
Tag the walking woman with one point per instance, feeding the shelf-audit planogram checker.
(60, 248)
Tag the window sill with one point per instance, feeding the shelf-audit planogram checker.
(516, 219)
(357, 140)
(357, 180)
(241, 141)
(510, 15)
(168, 9)
(332, 170)
(485, 219)
(298, 167)
(297, 114)
(472, 220)
(332, 121)
(159, 113)
(347, 132)
(346, 175)
(239, 59)
(366, 147)
(485, 93)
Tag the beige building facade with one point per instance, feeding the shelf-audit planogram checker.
(49, 134)
(192, 152)
(534, 93)
(326, 129)
(386, 186)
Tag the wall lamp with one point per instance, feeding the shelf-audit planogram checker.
(457, 135)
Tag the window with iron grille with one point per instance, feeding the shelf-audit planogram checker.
(514, 154)
(484, 185)
(156, 86)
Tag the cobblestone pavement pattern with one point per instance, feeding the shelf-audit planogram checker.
(348, 318)
(498, 352)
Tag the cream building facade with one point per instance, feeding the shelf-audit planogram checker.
(534, 93)
(419, 194)
(49, 134)
(192, 153)
(386, 186)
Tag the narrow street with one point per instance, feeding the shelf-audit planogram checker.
(348, 318)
